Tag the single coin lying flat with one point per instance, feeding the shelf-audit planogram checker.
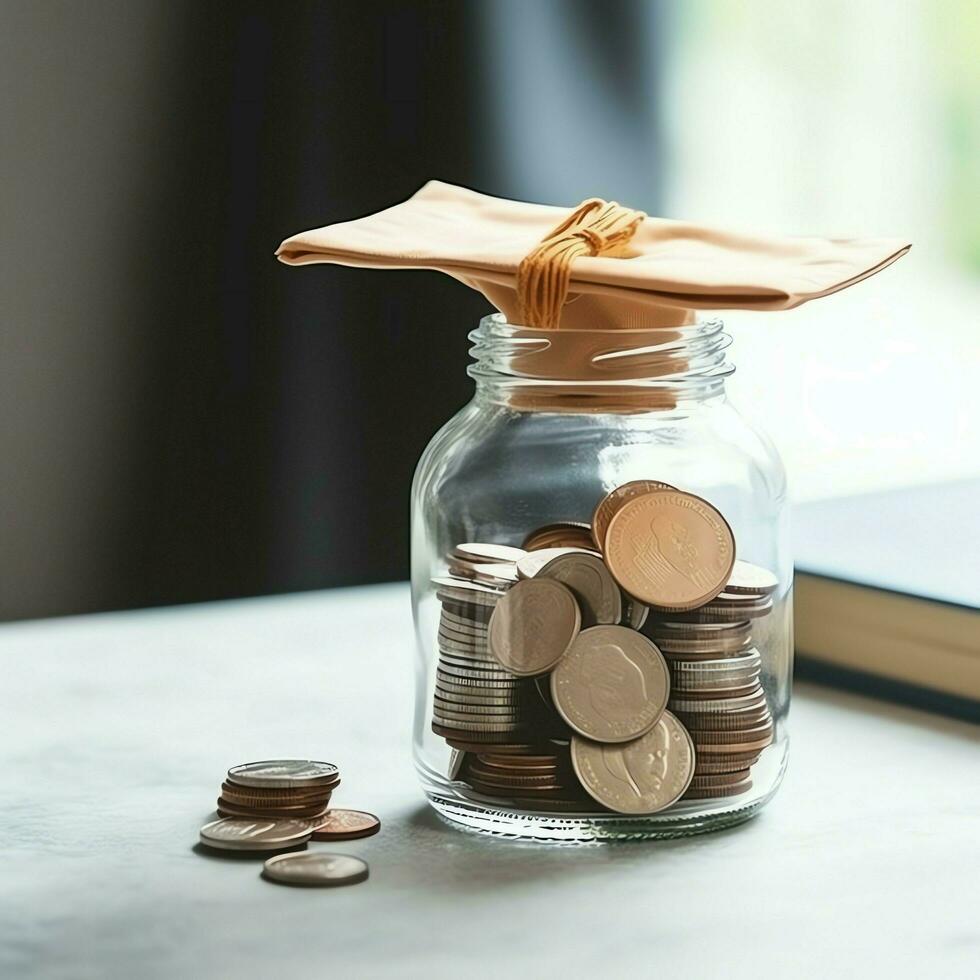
(255, 834)
(284, 773)
(315, 869)
(346, 825)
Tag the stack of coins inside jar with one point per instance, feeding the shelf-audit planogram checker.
(608, 664)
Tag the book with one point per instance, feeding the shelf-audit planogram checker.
(887, 593)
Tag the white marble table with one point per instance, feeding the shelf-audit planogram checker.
(117, 729)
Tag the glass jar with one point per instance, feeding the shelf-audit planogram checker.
(558, 420)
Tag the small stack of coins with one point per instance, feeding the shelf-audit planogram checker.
(280, 805)
(560, 616)
(540, 778)
(286, 789)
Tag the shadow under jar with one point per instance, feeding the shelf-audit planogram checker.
(559, 420)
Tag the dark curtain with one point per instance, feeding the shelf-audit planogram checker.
(276, 414)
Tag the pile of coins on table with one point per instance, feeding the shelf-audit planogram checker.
(550, 695)
(281, 804)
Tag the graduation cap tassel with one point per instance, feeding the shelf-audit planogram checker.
(595, 227)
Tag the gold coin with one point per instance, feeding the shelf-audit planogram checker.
(642, 776)
(670, 549)
(563, 534)
(598, 596)
(533, 625)
(345, 825)
(614, 500)
(612, 685)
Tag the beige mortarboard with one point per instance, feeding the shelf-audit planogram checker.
(597, 266)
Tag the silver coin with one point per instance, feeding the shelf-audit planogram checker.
(642, 776)
(612, 684)
(717, 704)
(477, 551)
(694, 683)
(597, 593)
(485, 712)
(455, 646)
(315, 869)
(475, 674)
(750, 578)
(254, 834)
(467, 696)
(465, 634)
(283, 773)
(534, 561)
(464, 729)
(671, 628)
(449, 659)
(477, 679)
(464, 591)
(464, 627)
(724, 665)
(728, 614)
(467, 723)
(497, 574)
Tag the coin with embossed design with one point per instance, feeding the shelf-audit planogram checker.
(670, 549)
(255, 834)
(533, 625)
(614, 500)
(598, 595)
(612, 685)
(641, 776)
(283, 773)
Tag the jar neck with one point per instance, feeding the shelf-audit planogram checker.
(615, 371)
